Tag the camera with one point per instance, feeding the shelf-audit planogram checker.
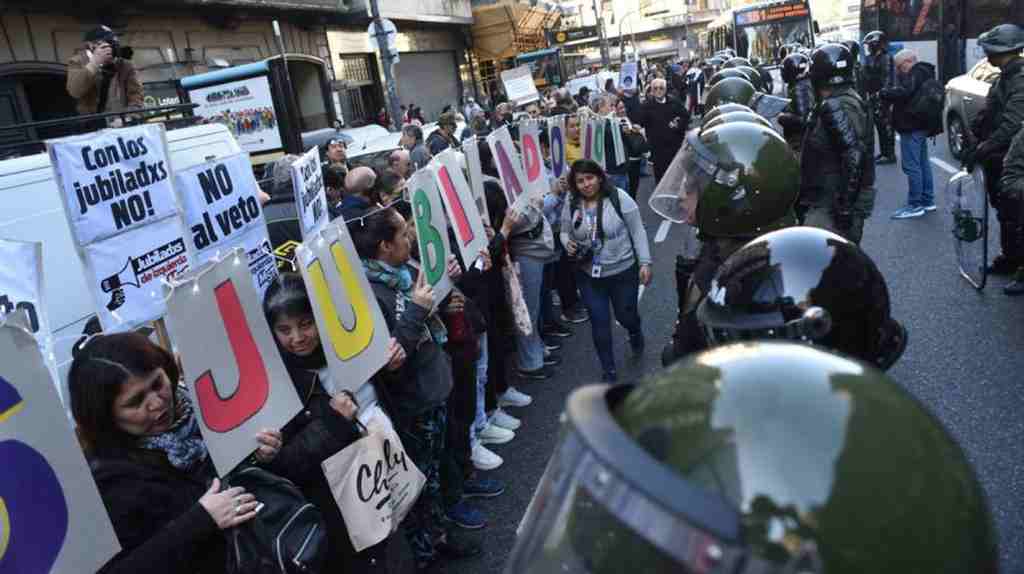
(119, 51)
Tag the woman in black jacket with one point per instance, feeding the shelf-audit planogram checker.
(153, 471)
(325, 426)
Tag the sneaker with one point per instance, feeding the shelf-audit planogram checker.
(534, 375)
(455, 548)
(482, 487)
(557, 330)
(484, 458)
(513, 397)
(930, 207)
(609, 377)
(575, 316)
(909, 213)
(494, 434)
(505, 420)
(551, 346)
(885, 160)
(551, 360)
(464, 515)
(556, 300)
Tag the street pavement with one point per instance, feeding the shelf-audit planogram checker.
(963, 361)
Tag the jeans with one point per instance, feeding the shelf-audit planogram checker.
(601, 296)
(621, 180)
(530, 348)
(480, 420)
(914, 153)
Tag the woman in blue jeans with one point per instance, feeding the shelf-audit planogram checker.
(603, 232)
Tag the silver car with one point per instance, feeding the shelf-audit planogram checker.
(965, 97)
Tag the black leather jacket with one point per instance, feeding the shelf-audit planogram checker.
(878, 72)
(1001, 119)
(801, 104)
(1012, 182)
(837, 170)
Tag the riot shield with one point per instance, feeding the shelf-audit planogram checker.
(968, 207)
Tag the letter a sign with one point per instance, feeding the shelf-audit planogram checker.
(232, 366)
(352, 328)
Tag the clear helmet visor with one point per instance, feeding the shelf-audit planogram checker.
(692, 170)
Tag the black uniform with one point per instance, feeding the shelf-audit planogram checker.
(878, 73)
(794, 119)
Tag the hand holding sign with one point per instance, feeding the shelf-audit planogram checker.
(422, 292)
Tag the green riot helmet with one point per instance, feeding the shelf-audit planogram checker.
(734, 180)
(757, 458)
(1002, 39)
(736, 62)
(807, 285)
(733, 117)
(735, 90)
(753, 76)
(724, 109)
(726, 73)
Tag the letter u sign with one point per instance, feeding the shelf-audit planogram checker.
(347, 342)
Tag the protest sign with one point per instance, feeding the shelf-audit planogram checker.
(52, 519)
(352, 329)
(310, 196)
(533, 160)
(519, 86)
(556, 135)
(588, 137)
(513, 180)
(459, 204)
(476, 175)
(229, 358)
(21, 284)
(124, 273)
(597, 152)
(113, 181)
(431, 232)
(221, 208)
(618, 145)
(577, 84)
(627, 75)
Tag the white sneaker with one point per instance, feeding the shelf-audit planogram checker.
(484, 459)
(494, 434)
(505, 420)
(513, 397)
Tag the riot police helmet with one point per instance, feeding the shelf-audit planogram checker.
(875, 39)
(831, 65)
(766, 458)
(1002, 39)
(854, 47)
(753, 76)
(806, 285)
(724, 109)
(726, 73)
(734, 117)
(733, 180)
(795, 67)
(736, 62)
(737, 90)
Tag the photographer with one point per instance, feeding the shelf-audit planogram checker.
(100, 76)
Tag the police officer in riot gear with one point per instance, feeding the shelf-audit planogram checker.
(837, 172)
(806, 285)
(742, 91)
(756, 458)
(796, 69)
(994, 128)
(731, 182)
(879, 73)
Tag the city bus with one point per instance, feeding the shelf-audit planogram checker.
(943, 32)
(759, 30)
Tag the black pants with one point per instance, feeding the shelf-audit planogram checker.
(565, 283)
(456, 463)
(1008, 213)
(883, 123)
(633, 169)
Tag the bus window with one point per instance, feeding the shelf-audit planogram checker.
(985, 15)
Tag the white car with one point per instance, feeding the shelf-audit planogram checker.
(965, 97)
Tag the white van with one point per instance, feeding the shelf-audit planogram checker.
(32, 211)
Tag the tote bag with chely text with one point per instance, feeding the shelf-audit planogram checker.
(374, 482)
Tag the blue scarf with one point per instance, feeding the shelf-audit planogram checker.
(182, 443)
(400, 279)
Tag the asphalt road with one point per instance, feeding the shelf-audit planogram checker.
(963, 361)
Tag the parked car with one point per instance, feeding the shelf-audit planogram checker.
(965, 97)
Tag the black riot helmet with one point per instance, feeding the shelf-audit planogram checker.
(736, 62)
(726, 73)
(854, 47)
(875, 40)
(1002, 39)
(831, 65)
(808, 285)
(736, 90)
(752, 75)
(794, 67)
(756, 458)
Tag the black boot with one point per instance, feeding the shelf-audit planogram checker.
(1011, 243)
(675, 347)
(1016, 287)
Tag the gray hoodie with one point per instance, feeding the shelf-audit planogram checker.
(615, 253)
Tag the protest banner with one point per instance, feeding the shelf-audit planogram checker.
(627, 75)
(221, 208)
(533, 160)
(470, 148)
(597, 152)
(52, 519)
(119, 200)
(113, 180)
(246, 108)
(618, 145)
(588, 137)
(310, 195)
(513, 180)
(352, 328)
(519, 85)
(431, 232)
(229, 358)
(459, 204)
(590, 82)
(21, 284)
(556, 135)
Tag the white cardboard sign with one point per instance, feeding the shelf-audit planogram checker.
(557, 139)
(533, 158)
(476, 175)
(21, 284)
(627, 76)
(51, 516)
(513, 180)
(596, 132)
(233, 370)
(431, 232)
(519, 85)
(352, 328)
(460, 206)
(310, 196)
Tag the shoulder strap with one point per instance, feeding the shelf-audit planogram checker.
(616, 202)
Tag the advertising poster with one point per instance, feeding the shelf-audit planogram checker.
(229, 358)
(459, 204)
(246, 108)
(310, 195)
(52, 519)
(352, 328)
(431, 232)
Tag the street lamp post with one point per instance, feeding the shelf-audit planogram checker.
(622, 48)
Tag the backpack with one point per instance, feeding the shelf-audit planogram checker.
(287, 536)
(926, 106)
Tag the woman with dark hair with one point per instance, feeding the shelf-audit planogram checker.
(142, 439)
(389, 187)
(603, 232)
(325, 425)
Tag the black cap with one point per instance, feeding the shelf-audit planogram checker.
(98, 34)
